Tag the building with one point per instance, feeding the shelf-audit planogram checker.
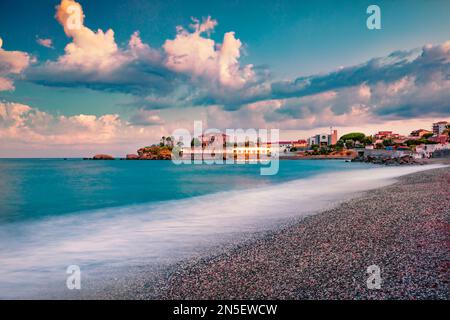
(382, 135)
(219, 146)
(283, 146)
(419, 133)
(439, 127)
(287, 145)
(400, 140)
(427, 150)
(333, 137)
(300, 144)
(323, 139)
(440, 138)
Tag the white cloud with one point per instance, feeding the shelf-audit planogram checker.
(27, 131)
(190, 69)
(201, 58)
(12, 63)
(89, 50)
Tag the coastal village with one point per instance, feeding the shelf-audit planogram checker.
(385, 147)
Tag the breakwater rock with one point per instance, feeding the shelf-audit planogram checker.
(387, 160)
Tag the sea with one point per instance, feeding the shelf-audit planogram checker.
(106, 217)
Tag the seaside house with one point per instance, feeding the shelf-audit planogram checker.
(419, 133)
(220, 146)
(382, 135)
(441, 138)
(300, 144)
(283, 146)
(439, 127)
(427, 150)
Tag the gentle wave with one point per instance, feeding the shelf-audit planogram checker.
(34, 255)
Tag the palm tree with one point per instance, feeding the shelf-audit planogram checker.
(169, 142)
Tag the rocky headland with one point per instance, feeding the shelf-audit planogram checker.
(145, 153)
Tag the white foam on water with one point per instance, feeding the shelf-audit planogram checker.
(35, 255)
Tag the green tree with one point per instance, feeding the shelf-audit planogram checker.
(388, 142)
(367, 140)
(355, 136)
(169, 142)
(350, 143)
(162, 142)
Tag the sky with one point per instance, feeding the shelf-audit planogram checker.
(123, 73)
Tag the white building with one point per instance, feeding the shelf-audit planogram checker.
(426, 150)
(439, 127)
(323, 139)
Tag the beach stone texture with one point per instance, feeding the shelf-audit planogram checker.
(403, 229)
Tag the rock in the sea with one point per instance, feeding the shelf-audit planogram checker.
(155, 153)
(103, 157)
(132, 157)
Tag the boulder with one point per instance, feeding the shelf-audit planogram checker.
(148, 156)
(103, 157)
(132, 157)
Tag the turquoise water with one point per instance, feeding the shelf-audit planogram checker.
(37, 188)
(108, 217)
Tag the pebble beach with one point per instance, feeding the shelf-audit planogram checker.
(402, 228)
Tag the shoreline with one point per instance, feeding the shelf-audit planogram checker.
(402, 228)
(173, 279)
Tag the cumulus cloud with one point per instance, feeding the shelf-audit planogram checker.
(28, 131)
(201, 57)
(207, 71)
(93, 59)
(403, 85)
(89, 50)
(291, 114)
(12, 63)
(19, 122)
(421, 64)
(194, 70)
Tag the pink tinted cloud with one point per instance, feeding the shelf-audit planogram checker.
(48, 43)
(12, 63)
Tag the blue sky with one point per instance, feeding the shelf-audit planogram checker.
(282, 44)
(293, 37)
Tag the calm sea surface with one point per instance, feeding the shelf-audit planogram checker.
(32, 189)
